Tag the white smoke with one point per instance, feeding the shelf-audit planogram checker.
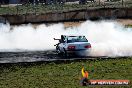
(27, 37)
(108, 38)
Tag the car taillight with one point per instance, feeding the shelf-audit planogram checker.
(87, 46)
(71, 47)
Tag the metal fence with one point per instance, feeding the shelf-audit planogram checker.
(40, 8)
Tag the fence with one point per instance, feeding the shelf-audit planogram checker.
(42, 8)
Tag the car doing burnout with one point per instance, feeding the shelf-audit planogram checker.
(72, 44)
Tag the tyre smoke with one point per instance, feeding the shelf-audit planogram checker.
(108, 38)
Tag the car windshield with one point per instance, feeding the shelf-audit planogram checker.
(72, 39)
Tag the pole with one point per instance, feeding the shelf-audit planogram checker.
(34, 5)
(122, 3)
(17, 7)
(99, 2)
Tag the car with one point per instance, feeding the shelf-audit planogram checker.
(72, 44)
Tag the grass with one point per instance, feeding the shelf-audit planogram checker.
(40, 8)
(64, 74)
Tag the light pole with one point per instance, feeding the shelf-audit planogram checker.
(122, 2)
(34, 1)
(99, 2)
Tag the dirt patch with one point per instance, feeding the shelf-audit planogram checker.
(71, 24)
(75, 24)
(122, 21)
(125, 21)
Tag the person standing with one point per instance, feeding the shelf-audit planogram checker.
(84, 81)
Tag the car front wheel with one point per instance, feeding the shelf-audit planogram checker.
(58, 50)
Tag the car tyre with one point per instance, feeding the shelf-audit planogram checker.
(58, 50)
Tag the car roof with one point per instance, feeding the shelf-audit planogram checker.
(72, 35)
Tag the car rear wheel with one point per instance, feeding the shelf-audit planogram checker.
(58, 50)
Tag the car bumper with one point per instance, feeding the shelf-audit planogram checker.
(78, 51)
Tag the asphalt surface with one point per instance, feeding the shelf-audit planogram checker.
(36, 56)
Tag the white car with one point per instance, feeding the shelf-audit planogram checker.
(72, 44)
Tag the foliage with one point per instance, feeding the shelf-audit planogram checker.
(63, 74)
